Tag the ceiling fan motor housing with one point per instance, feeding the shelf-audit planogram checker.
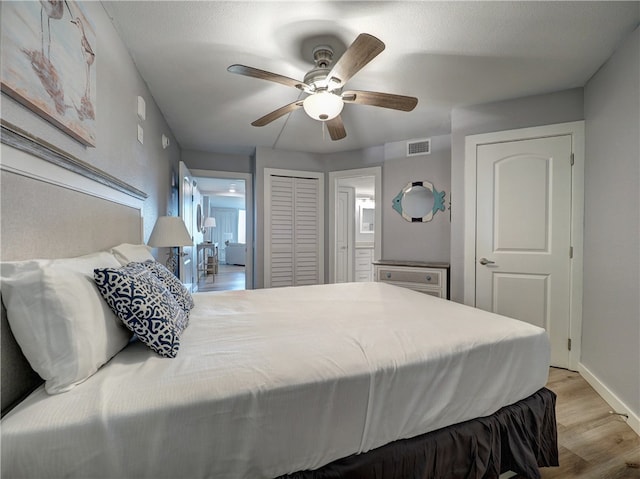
(323, 58)
(321, 104)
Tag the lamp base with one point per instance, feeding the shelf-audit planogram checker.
(172, 261)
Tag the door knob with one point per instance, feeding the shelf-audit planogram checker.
(485, 261)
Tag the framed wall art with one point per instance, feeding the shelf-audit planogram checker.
(49, 63)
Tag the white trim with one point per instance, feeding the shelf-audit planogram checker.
(248, 198)
(268, 172)
(21, 163)
(376, 172)
(610, 398)
(29, 144)
(576, 130)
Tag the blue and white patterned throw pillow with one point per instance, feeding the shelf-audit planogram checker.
(144, 305)
(173, 284)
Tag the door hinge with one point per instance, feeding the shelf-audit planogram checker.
(569, 344)
(570, 252)
(572, 160)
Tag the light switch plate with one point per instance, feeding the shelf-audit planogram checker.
(142, 108)
(140, 135)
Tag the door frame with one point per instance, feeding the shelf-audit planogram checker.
(189, 256)
(334, 176)
(576, 131)
(248, 202)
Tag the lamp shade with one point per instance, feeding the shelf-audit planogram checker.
(169, 231)
(210, 222)
(323, 105)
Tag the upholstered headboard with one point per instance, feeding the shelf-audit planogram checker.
(53, 206)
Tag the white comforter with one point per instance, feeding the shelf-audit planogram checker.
(268, 382)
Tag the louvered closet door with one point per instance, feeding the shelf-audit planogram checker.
(294, 232)
(282, 231)
(306, 242)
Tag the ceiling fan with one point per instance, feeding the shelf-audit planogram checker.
(325, 82)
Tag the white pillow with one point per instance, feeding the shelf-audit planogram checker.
(125, 253)
(58, 317)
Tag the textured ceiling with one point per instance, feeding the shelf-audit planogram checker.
(446, 54)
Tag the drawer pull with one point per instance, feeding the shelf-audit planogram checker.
(388, 275)
(428, 277)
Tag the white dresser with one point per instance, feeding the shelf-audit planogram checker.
(363, 264)
(429, 278)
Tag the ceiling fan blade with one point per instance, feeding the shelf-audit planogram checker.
(336, 128)
(385, 100)
(265, 75)
(274, 115)
(363, 49)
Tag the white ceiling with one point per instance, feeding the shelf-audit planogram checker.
(446, 54)
(222, 187)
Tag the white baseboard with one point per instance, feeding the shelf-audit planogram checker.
(610, 398)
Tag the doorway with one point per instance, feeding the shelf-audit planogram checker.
(523, 241)
(355, 219)
(227, 199)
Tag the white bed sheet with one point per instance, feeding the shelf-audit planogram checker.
(269, 382)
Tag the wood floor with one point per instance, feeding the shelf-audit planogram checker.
(593, 443)
(229, 277)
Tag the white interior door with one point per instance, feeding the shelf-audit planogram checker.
(345, 222)
(523, 234)
(187, 212)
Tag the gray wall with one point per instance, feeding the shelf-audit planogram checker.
(559, 107)
(611, 305)
(117, 152)
(402, 240)
(352, 160)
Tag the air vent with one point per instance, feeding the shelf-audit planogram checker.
(419, 147)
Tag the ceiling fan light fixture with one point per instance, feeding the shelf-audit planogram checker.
(323, 105)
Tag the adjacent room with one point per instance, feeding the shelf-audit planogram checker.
(320, 239)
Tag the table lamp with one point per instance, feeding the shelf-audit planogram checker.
(210, 223)
(170, 232)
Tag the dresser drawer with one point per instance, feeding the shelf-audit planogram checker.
(363, 276)
(364, 253)
(425, 278)
(364, 263)
(404, 276)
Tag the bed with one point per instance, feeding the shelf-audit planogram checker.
(361, 380)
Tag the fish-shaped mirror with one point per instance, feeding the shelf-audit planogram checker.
(419, 201)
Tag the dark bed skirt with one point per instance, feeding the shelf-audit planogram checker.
(518, 438)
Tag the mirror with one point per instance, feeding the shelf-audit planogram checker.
(419, 201)
(199, 224)
(367, 218)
